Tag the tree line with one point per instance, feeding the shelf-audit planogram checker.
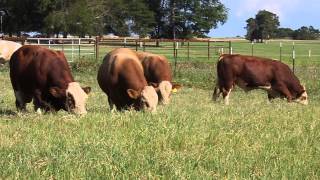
(266, 24)
(157, 18)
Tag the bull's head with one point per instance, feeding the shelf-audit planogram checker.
(164, 90)
(73, 99)
(146, 99)
(303, 97)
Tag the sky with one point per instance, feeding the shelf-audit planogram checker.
(292, 14)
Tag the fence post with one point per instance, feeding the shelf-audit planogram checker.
(97, 47)
(309, 53)
(175, 58)
(293, 57)
(188, 50)
(252, 48)
(79, 52)
(136, 45)
(144, 45)
(230, 48)
(280, 51)
(62, 45)
(208, 49)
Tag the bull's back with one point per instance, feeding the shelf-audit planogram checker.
(121, 69)
(35, 66)
(157, 69)
(21, 69)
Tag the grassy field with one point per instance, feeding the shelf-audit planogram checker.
(191, 138)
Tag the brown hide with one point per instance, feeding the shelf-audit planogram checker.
(158, 73)
(156, 67)
(120, 71)
(250, 72)
(42, 75)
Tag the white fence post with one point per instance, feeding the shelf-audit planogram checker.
(309, 53)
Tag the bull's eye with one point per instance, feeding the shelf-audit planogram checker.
(303, 98)
(70, 103)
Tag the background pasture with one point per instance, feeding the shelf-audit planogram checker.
(192, 137)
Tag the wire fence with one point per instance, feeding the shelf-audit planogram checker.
(192, 60)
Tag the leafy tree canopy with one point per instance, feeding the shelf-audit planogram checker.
(158, 18)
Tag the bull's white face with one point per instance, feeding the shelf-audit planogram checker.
(76, 99)
(149, 98)
(165, 88)
(303, 99)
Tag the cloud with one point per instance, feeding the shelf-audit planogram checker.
(279, 7)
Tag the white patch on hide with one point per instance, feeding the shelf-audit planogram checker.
(79, 96)
(303, 99)
(226, 98)
(150, 97)
(165, 88)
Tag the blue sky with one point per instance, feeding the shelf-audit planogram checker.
(292, 14)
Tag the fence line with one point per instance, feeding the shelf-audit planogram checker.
(179, 49)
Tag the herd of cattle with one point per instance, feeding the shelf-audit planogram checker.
(133, 79)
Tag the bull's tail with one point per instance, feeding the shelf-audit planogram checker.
(217, 89)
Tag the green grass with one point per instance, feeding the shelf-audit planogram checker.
(192, 137)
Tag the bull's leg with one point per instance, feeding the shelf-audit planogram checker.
(226, 89)
(39, 103)
(21, 100)
(111, 104)
(284, 91)
(270, 96)
(226, 94)
(216, 93)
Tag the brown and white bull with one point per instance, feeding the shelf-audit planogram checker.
(43, 75)
(158, 73)
(250, 73)
(121, 77)
(7, 48)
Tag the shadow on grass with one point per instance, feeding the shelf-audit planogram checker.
(7, 112)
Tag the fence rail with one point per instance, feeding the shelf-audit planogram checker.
(182, 50)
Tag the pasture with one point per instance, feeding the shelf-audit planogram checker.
(192, 137)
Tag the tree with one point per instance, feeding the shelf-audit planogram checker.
(28, 18)
(306, 33)
(251, 29)
(186, 18)
(263, 26)
(78, 17)
(158, 18)
(283, 33)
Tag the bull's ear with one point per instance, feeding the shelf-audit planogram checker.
(87, 89)
(176, 86)
(155, 85)
(133, 93)
(57, 92)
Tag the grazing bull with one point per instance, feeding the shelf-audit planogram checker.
(121, 77)
(158, 73)
(43, 75)
(7, 48)
(257, 73)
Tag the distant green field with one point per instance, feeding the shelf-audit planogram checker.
(191, 138)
